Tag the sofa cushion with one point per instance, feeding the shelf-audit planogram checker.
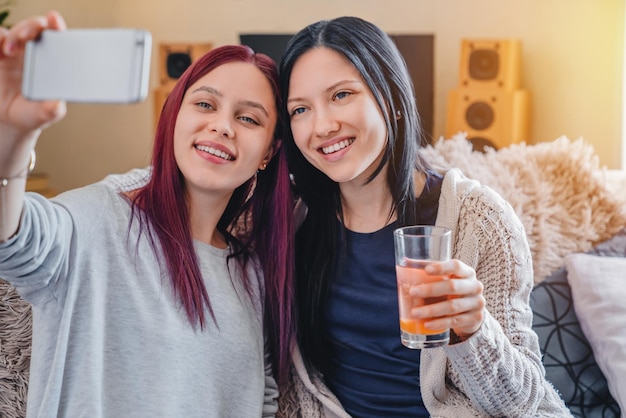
(599, 291)
(568, 355)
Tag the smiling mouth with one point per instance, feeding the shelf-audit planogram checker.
(337, 146)
(216, 152)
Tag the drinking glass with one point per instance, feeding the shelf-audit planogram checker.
(416, 247)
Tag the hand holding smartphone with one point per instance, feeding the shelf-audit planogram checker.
(88, 66)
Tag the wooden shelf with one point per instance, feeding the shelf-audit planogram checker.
(38, 182)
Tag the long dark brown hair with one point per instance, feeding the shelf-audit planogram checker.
(319, 240)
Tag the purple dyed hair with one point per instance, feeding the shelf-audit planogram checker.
(267, 215)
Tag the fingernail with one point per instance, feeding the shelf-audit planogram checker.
(430, 269)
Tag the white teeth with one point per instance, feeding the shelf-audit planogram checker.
(215, 152)
(336, 147)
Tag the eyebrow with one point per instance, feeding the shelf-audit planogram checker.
(248, 103)
(330, 88)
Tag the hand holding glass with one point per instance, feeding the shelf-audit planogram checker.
(415, 248)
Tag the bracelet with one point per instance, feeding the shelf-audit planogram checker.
(31, 166)
(4, 182)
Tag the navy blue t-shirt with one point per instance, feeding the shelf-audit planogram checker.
(371, 372)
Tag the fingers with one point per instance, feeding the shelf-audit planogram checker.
(21, 118)
(22, 32)
(4, 32)
(452, 268)
(464, 315)
(464, 283)
(463, 309)
(56, 21)
(13, 41)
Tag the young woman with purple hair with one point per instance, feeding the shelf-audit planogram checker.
(146, 299)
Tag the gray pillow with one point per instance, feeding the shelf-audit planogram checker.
(568, 356)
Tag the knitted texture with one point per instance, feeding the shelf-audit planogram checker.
(297, 401)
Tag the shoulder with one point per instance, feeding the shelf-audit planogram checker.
(131, 180)
(104, 193)
(92, 206)
(94, 196)
(456, 183)
(459, 191)
(112, 184)
(466, 204)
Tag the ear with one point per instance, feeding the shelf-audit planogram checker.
(271, 151)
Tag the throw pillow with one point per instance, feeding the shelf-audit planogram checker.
(15, 346)
(567, 355)
(599, 290)
(556, 188)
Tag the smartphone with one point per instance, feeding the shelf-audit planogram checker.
(109, 65)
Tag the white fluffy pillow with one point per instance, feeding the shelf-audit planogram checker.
(556, 188)
(599, 293)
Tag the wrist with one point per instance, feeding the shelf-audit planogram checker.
(16, 151)
(11, 199)
(23, 173)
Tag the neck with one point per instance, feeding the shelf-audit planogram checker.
(205, 211)
(367, 207)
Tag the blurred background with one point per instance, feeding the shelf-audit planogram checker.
(572, 65)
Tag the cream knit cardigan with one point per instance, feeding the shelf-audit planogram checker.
(498, 371)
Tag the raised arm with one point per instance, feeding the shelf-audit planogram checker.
(21, 121)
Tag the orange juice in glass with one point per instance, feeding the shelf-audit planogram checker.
(415, 248)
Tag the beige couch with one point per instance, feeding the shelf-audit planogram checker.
(565, 201)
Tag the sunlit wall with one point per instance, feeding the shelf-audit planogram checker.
(573, 61)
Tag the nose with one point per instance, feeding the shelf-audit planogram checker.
(222, 125)
(325, 123)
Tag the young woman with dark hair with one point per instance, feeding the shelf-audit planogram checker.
(352, 142)
(148, 301)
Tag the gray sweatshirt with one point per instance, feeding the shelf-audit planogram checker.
(109, 337)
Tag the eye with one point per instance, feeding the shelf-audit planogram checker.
(297, 111)
(204, 105)
(248, 119)
(341, 95)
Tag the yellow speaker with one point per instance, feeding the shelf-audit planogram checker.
(490, 117)
(175, 58)
(490, 64)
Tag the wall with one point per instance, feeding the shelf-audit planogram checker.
(572, 64)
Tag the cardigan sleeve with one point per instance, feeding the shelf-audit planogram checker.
(499, 369)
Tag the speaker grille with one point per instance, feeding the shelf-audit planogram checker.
(480, 144)
(177, 63)
(479, 115)
(484, 64)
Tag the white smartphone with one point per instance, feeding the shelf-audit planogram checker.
(88, 65)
